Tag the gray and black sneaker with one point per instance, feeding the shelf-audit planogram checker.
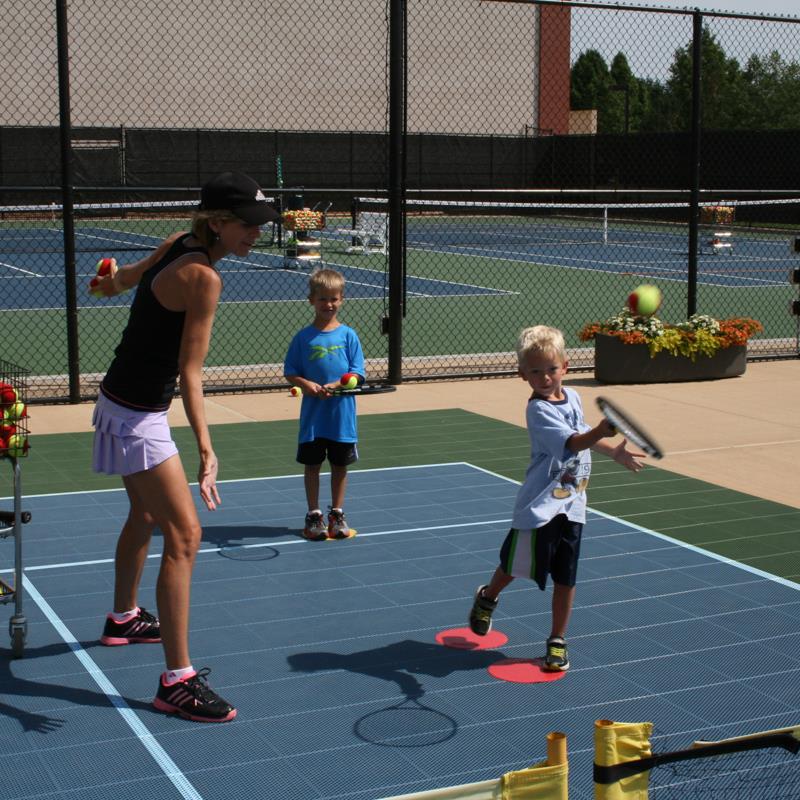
(557, 659)
(480, 617)
(337, 525)
(316, 530)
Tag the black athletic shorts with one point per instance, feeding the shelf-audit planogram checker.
(340, 454)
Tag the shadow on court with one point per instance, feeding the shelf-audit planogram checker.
(398, 662)
(28, 690)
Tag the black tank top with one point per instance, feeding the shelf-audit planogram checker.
(144, 372)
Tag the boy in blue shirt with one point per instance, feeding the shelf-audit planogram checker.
(550, 509)
(318, 356)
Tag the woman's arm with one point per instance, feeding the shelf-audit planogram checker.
(201, 293)
(128, 275)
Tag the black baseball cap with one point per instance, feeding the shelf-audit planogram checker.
(239, 194)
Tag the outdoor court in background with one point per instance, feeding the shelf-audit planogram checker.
(464, 267)
(333, 654)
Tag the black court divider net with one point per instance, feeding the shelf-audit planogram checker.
(763, 766)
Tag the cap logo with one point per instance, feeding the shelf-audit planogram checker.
(260, 196)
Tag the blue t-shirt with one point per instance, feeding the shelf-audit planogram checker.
(323, 357)
(556, 478)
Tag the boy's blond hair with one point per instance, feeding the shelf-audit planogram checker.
(541, 339)
(325, 280)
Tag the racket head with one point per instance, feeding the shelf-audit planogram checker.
(629, 428)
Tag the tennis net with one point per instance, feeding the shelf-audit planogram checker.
(759, 766)
(99, 227)
(470, 223)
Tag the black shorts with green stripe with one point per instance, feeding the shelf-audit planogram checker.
(551, 550)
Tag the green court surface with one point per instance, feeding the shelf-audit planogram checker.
(747, 529)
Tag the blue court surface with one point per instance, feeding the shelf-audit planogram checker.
(329, 649)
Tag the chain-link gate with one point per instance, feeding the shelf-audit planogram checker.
(483, 165)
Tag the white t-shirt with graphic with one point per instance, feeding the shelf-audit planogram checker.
(556, 478)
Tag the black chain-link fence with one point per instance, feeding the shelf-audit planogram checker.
(479, 166)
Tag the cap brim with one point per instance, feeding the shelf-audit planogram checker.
(256, 214)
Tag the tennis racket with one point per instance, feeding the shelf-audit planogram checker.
(630, 429)
(375, 388)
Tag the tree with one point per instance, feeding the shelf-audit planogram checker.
(763, 95)
(589, 81)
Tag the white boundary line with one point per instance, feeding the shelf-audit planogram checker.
(168, 766)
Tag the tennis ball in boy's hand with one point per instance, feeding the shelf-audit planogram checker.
(349, 380)
(295, 391)
(17, 445)
(15, 411)
(644, 300)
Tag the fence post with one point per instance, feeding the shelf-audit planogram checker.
(696, 134)
(397, 99)
(65, 129)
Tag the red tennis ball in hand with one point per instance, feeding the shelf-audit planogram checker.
(105, 266)
(349, 380)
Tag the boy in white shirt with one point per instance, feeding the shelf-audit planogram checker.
(550, 509)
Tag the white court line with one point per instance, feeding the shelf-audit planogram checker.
(282, 543)
(19, 269)
(733, 447)
(168, 766)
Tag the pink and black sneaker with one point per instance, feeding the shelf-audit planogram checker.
(193, 699)
(143, 628)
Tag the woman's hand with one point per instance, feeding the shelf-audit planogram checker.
(207, 480)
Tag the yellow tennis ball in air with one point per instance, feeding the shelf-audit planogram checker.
(295, 391)
(349, 380)
(644, 300)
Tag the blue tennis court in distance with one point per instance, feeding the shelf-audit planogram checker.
(36, 279)
(747, 259)
(331, 653)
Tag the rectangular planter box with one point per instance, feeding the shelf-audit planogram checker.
(617, 362)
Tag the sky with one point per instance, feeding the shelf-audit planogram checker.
(783, 8)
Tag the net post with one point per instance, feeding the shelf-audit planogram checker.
(605, 224)
(556, 748)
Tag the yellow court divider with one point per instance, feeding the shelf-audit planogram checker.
(617, 743)
(546, 780)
